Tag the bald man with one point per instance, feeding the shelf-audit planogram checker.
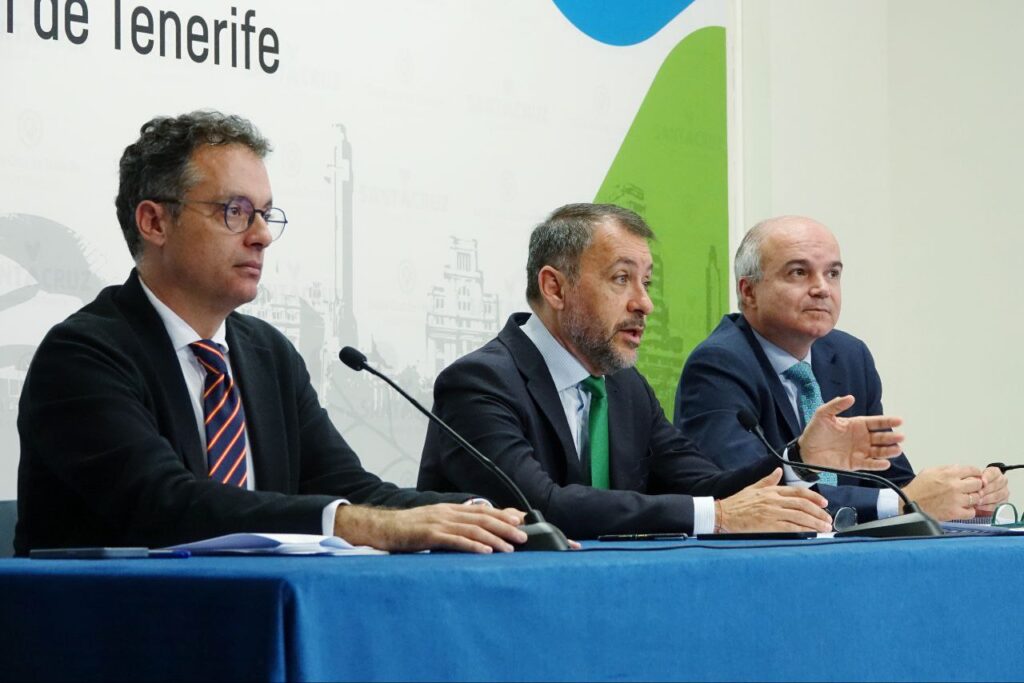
(781, 356)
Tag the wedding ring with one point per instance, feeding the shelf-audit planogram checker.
(970, 500)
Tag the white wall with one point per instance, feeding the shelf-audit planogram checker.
(898, 124)
(466, 119)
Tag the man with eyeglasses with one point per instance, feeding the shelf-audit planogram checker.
(158, 415)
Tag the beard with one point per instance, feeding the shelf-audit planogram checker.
(585, 333)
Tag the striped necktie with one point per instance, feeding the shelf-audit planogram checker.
(224, 415)
(597, 431)
(809, 400)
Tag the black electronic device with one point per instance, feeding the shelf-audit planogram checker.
(757, 536)
(661, 536)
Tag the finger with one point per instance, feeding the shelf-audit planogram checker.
(807, 494)
(969, 485)
(518, 515)
(493, 525)
(789, 526)
(479, 534)
(771, 480)
(993, 495)
(507, 515)
(878, 423)
(836, 405)
(808, 508)
(875, 463)
(992, 474)
(444, 541)
(885, 438)
(804, 519)
(965, 471)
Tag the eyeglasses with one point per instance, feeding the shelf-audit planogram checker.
(1005, 515)
(239, 214)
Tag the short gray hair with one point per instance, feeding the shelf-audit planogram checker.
(748, 262)
(159, 163)
(562, 238)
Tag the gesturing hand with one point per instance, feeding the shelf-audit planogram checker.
(850, 443)
(469, 528)
(765, 506)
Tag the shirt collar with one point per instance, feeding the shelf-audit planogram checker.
(780, 359)
(565, 369)
(180, 332)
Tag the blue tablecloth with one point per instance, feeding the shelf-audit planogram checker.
(940, 609)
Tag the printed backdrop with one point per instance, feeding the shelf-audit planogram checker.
(417, 143)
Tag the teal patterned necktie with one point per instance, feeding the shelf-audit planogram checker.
(597, 431)
(809, 400)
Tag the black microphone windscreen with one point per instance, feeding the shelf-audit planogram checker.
(746, 419)
(353, 358)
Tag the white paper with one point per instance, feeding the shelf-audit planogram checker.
(276, 544)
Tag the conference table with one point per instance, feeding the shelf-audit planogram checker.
(843, 609)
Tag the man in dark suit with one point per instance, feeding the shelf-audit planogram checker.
(157, 415)
(788, 274)
(555, 401)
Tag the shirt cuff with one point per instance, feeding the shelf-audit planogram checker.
(791, 478)
(327, 518)
(888, 503)
(703, 515)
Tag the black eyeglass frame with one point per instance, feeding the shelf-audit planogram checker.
(270, 216)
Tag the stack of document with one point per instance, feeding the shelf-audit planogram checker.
(276, 544)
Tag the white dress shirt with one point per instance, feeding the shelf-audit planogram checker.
(182, 334)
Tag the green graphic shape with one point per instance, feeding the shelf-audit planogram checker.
(672, 169)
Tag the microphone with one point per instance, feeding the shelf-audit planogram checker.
(540, 535)
(914, 522)
(1004, 468)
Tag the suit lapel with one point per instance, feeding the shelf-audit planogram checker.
(779, 396)
(823, 363)
(253, 364)
(542, 389)
(163, 362)
(621, 436)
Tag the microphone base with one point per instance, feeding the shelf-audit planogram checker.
(541, 535)
(914, 523)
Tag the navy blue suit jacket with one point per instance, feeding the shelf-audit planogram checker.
(110, 450)
(729, 372)
(502, 399)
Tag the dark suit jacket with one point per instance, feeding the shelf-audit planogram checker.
(110, 450)
(729, 372)
(502, 399)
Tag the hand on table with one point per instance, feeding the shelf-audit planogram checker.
(948, 492)
(766, 506)
(469, 528)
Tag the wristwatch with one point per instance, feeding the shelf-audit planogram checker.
(793, 455)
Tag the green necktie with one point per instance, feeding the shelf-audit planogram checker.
(597, 430)
(809, 400)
